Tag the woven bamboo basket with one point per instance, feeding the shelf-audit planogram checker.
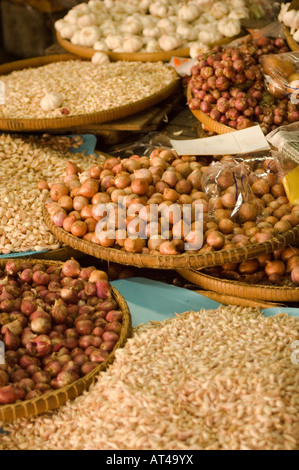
(68, 122)
(258, 292)
(56, 398)
(293, 45)
(88, 52)
(191, 261)
(61, 254)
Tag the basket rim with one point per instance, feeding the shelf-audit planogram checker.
(27, 408)
(88, 52)
(256, 291)
(191, 261)
(66, 122)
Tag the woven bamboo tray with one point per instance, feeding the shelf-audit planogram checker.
(241, 289)
(61, 254)
(88, 52)
(68, 122)
(293, 45)
(56, 398)
(192, 261)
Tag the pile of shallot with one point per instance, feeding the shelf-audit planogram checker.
(229, 86)
(132, 186)
(57, 325)
(278, 268)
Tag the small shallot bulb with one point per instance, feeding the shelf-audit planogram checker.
(275, 267)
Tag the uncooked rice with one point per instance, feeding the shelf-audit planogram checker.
(24, 161)
(215, 380)
(85, 87)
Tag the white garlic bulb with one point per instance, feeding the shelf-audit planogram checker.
(99, 58)
(229, 27)
(152, 32)
(219, 10)
(131, 26)
(188, 12)
(89, 35)
(67, 31)
(89, 19)
(197, 48)
(108, 27)
(82, 8)
(59, 24)
(160, 9)
(152, 46)
(114, 41)
(169, 43)
(239, 14)
(51, 101)
(100, 46)
(209, 36)
(132, 44)
(187, 31)
(166, 25)
(96, 6)
(75, 39)
(236, 3)
(144, 5)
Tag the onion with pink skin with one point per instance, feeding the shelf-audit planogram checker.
(14, 327)
(32, 369)
(71, 269)
(114, 315)
(11, 341)
(64, 378)
(40, 278)
(103, 289)
(39, 347)
(41, 326)
(84, 327)
(107, 345)
(41, 377)
(53, 368)
(27, 384)
(59, 312)
(81, 359)
(26, 361)
(19, 374)
(27, 336)
(4, 378)
(110, 336)
(11, 268)
(33, 394)
(7, 395)
(71, 343)
(99, 356)
(88, 367)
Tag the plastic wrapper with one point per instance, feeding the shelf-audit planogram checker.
(286, 140)
(237, 185)
(282, 76)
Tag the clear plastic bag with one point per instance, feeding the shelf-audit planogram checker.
(227, 184)
(282, 75)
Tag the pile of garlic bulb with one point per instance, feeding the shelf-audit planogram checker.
(152, 25)
(290, 18)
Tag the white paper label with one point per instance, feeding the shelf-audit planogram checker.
(233, 143)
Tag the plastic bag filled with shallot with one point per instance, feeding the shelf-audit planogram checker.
(231, 199)
(282, 79)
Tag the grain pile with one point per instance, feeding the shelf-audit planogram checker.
(218, 379)
(85, 87)
(23, 163)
